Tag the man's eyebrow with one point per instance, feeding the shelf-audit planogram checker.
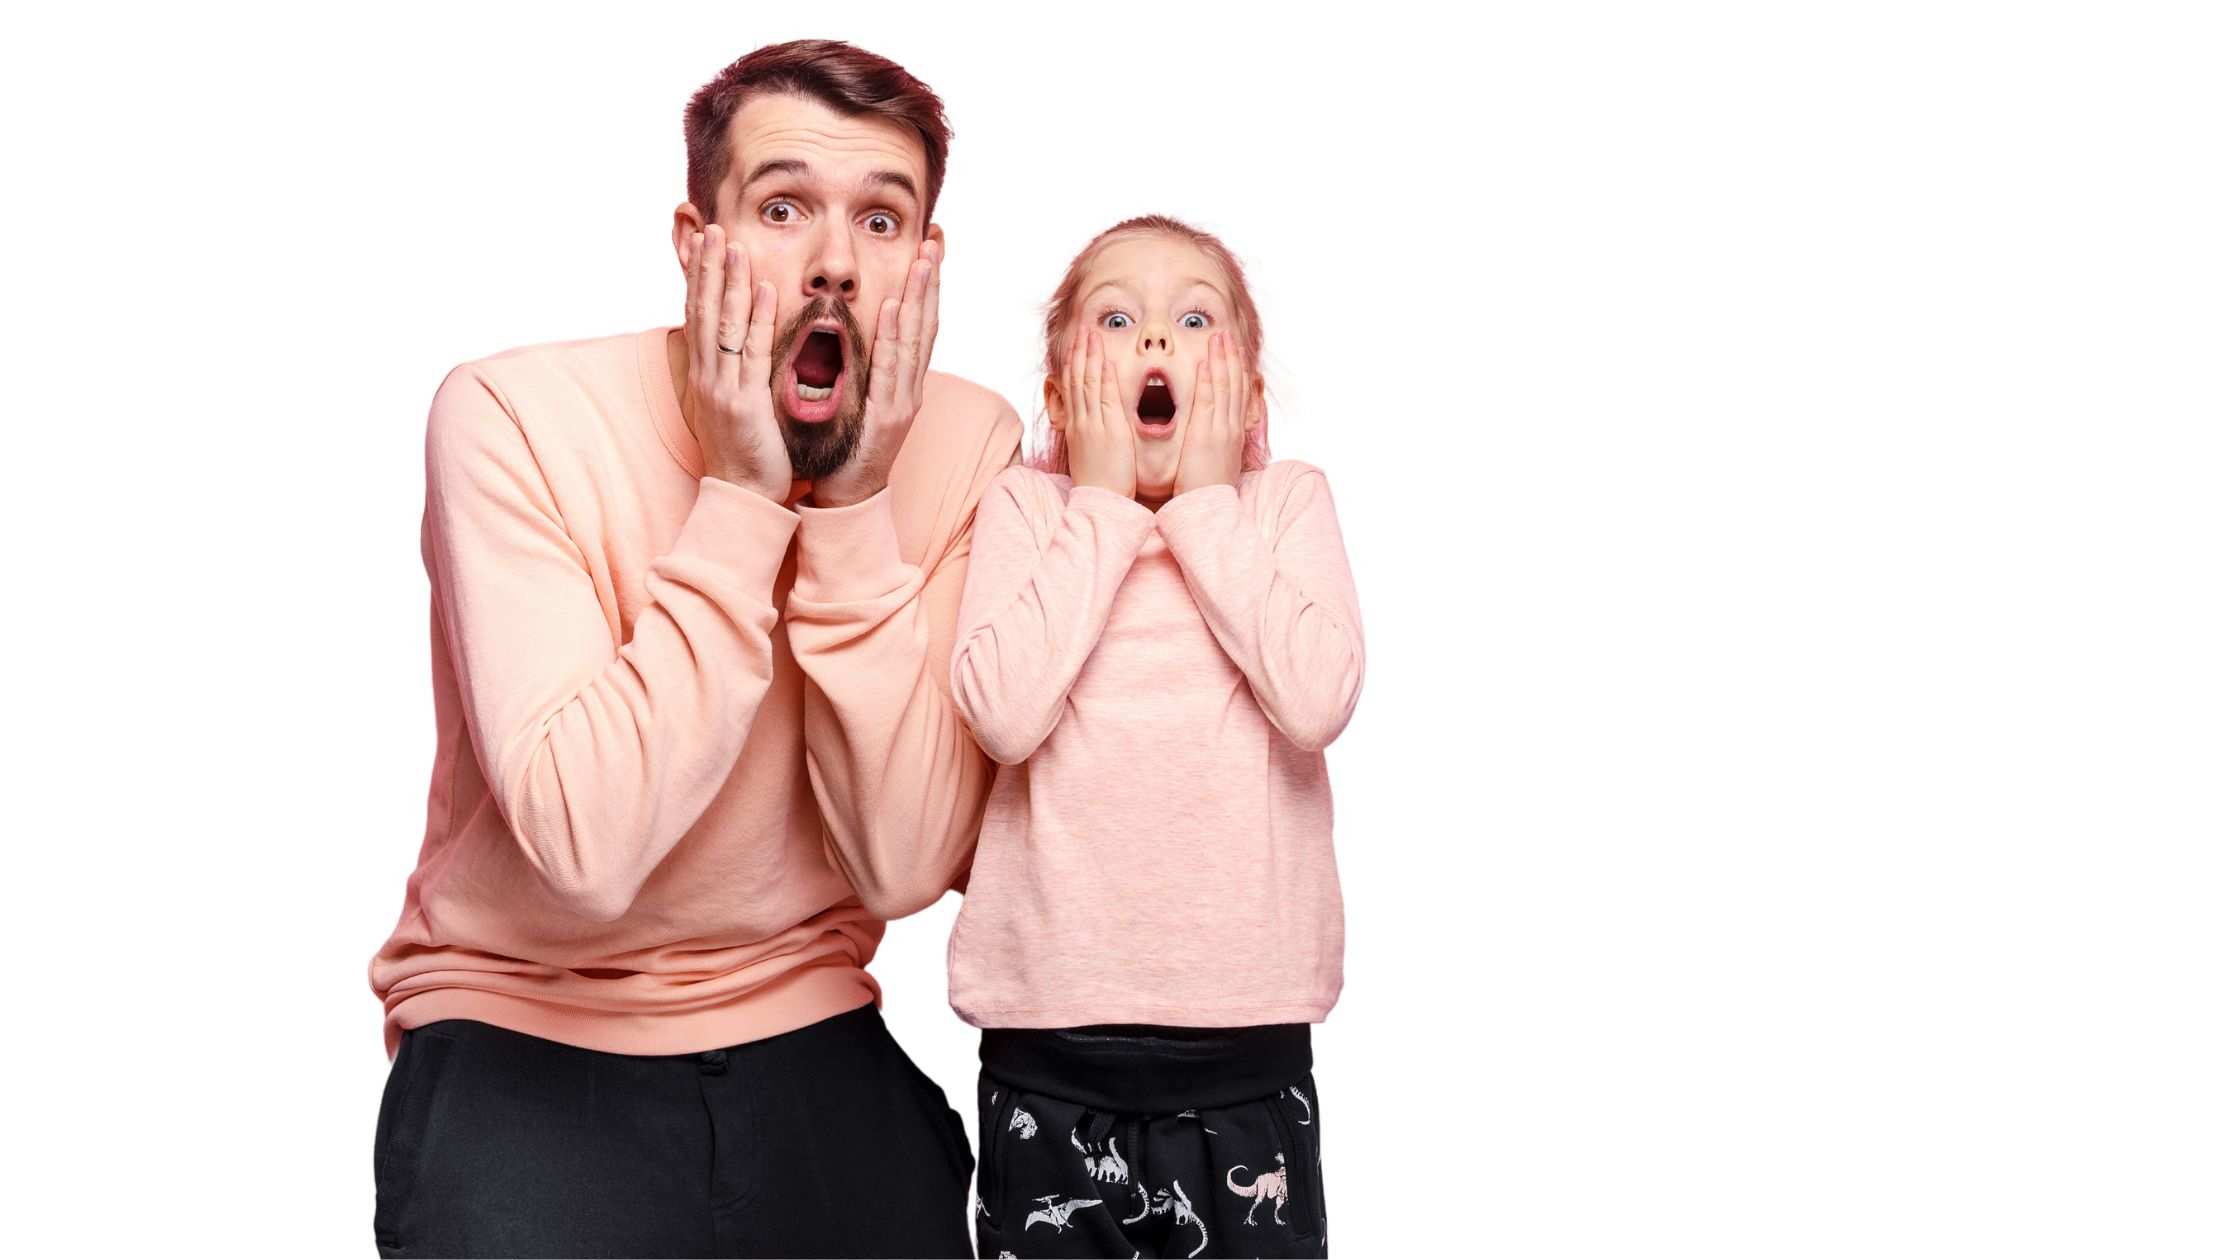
(799, 169)
(777, 166)
(893, 179)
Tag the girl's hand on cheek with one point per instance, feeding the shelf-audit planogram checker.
(1212, 436)
(1100, 435)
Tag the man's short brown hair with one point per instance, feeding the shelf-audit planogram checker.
(841, 76)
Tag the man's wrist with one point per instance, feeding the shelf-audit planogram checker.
(750, 481)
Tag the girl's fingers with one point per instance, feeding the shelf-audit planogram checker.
(1241, 384)
(1092, 380)
(1108, 396)
(1201, 408)
(1072, 391)
(1221, 382)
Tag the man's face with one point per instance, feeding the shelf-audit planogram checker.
(1155, 301)
(830, 210)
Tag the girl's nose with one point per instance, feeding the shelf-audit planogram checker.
(1153, 339)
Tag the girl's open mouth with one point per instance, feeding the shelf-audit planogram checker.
(1155, 409)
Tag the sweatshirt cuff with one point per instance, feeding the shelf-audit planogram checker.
(1110, 505)
(1190, 509)
(849, 552)
(743, 530)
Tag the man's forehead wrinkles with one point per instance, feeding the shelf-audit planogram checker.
(812, 138)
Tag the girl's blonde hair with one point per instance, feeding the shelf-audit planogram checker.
(1046, 448)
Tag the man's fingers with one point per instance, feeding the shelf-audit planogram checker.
(710, 296)
(885, 349)
(762, 327)
(911, 321)
(931, 316)
(692, 299)
(731, 324)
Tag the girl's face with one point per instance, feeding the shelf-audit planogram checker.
(1155, 301)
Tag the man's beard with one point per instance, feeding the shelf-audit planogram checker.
(819, 448)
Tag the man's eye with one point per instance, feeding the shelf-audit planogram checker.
(1115, 319)
(779, 212)
(1196, 320)
(881, 224)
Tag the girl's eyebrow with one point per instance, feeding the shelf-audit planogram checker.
(1196, 282)
(1109, 284)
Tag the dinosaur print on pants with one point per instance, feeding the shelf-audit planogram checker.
(1268, 1185)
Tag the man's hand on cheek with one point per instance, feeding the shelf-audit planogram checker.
(901, 347)
(728, 325)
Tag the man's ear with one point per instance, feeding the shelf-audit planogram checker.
(934, 233)
(682, 224)
(1054, 401)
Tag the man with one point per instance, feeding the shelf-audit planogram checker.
(693, 596)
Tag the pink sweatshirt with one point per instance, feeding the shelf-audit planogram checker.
(1157, 688)
(691, 745)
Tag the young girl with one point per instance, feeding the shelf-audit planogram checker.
(1158, 636)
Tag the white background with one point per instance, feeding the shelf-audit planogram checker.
(1787, 452)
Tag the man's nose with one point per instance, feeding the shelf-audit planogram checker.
(832, 272)
(1156, 337)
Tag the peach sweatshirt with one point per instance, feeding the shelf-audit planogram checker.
(1157, 688)
(691, 745)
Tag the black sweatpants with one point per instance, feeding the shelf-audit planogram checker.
(825, 1141)
(1128, 1140)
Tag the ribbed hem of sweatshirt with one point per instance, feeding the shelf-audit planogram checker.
(1186, 510)
(1110, 505)
(739, 526)
(849, 553)
(796, 999)
(1309, 1011)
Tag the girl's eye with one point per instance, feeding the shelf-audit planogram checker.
(1196, 320)
(779, 212)
(1115, 319)
(881, 224)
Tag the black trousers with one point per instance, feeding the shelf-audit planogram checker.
(825, 1141)
(1132, 1140)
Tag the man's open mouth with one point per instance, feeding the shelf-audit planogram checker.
(816, 365)
(1156, 407)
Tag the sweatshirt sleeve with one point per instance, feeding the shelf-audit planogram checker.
(600, 755)
(1035, 604)
(1276, 591)
(896, 775)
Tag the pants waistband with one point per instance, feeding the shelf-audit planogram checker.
(1146, 1067)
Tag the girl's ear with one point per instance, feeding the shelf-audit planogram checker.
(1054, 401)
(1256, 411)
